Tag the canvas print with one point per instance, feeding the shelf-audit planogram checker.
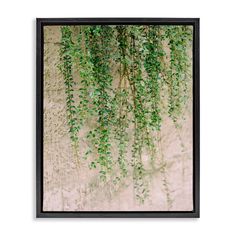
(117, 118)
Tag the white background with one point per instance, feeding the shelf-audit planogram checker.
(17, 119)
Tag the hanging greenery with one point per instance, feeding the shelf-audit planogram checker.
(178, 39)
(66, 67)
(122, 70)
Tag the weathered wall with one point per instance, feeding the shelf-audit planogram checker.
(67, 188)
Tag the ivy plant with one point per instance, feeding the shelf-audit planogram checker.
(122, 69)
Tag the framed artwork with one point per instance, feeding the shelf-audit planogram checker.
(117, 117)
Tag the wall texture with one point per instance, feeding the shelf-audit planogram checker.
(69, 188)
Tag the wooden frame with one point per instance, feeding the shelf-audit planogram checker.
(196, 117)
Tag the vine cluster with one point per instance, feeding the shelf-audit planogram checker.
(122, 70)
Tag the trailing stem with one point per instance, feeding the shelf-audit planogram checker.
(66, 69)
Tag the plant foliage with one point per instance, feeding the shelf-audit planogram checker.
(123, 71)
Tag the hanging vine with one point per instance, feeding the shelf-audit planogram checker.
(179, 38)
(125, 108)
(122, 103)
(66, 67)
(100, 52)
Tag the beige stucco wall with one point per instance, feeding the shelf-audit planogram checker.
(68, 188)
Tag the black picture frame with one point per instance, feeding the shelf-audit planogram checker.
(41, 22)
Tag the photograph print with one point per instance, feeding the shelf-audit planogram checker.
(117, 117)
